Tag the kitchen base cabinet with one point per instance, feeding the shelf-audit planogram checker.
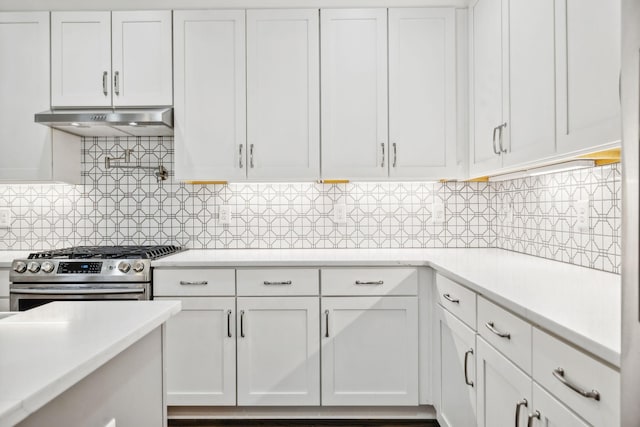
(201, 352)
(278, 351)
(369, 351)
(551, 411)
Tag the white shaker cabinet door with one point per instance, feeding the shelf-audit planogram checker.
(503, 389)
(81, 59)
(142, 60)
(552, 412)
(588, 70)
(422, 93)
(278, 351)
(369, 351)
(210, 99)
(283, 94)
(487, 74)
(201, 352)
(24, 91)
(354, 93)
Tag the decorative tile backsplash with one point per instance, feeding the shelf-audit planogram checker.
(129, 207)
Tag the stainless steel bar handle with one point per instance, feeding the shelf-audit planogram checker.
(285, 282)
(453, 300)
(466, 376)
(116, 82)
(240, 163)
(104, 291)
(502, 126)
(378, 282)
(519, 405)
(382, 162)
(251, 156)
(326, 318)
(593, 394)
(490, 326)
(229, 323)
(533, 416)
(395, 155)
(105, 88)
(495, 150)
(189, 282)
(242, 323)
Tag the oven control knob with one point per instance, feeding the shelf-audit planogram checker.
(47, 267)
(124, 267)
(33, 267)
(19, 267)
(138, 266)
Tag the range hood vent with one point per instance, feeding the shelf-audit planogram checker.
(110, 122)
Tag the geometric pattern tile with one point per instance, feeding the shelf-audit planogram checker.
(130, 207)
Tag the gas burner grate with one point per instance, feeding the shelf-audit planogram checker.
(109, 252)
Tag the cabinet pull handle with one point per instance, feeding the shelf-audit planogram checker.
(242, 323)
(536, 415)
(240, 147)
(285, 282)
(453, 300)
(229, 323)
(520, 404)
(466, 376)
(395, 155)
(378, 282)
(490, 326)
(116, 82)
(495, 149)
(593, 394)
(501, 127)
(105, 88)
(188, 282)
(382, 147)
(326, 319)
(251, 156)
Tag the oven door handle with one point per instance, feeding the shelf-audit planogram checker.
(110, 291)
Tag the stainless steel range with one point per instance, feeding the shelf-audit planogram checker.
(84, 273)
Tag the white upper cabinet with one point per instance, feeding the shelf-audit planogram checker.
(422, 93)
(354, 93)
(210, 96)
(283, 94)
(588, 70)
(142, 59)
(82, 44)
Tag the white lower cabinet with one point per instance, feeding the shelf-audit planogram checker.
(278, 351)
(549, 412)
(369, 351)
(201, 352)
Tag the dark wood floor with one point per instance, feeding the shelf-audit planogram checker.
(303, 423)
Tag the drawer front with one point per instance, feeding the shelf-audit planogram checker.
(278, 281)
(579, 370)
(369, 281)
(194, 282)
(515, 342)
(4, 283)
(457, 299)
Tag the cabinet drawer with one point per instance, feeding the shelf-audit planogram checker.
(4, 283)
(551, 355)
(369, 281)
(515, 342)
(190, 282)
(457, 299)
(278, 281)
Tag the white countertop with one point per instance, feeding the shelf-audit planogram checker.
(46, 350)
(579, 304)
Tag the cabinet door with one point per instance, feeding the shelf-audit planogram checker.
(201, 353)
(422, 93)
(278, 351)
(81, 59)
(142, 61)
(210, 116)
(24, 89)
(369, 351)
(486, 84)
(283, 94)
(354, 93)
(588, 67)
(457, 380)
(502, 389)
(531, 82)
(552, 412)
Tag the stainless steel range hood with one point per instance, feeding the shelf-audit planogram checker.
(110, 122)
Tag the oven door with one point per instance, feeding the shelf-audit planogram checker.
(24, 297)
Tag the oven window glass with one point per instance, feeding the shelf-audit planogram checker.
(27, 304)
